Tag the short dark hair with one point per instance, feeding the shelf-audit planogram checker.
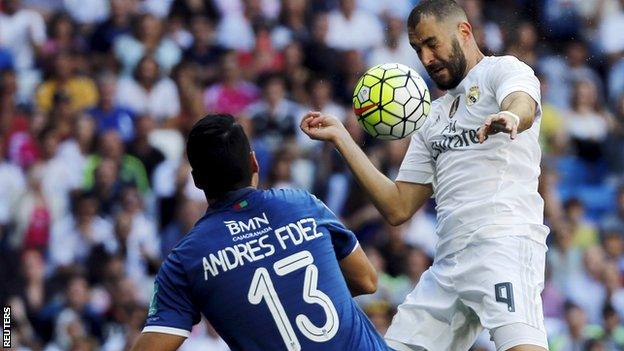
(218, 151)
(440, 9)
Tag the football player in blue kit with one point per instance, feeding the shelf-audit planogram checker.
(269, 269)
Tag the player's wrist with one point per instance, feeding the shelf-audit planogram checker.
(340, 137)
(513, 116)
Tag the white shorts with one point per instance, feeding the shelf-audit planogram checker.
(493, 284)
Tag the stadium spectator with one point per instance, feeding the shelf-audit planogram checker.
(80, 91)
(186, 215)
(320, 57)
(141, 148)
(12, 184)
(584, 232)
(58, 181)
(149, 92)
(235, 31)
(205, 50)
(293, 26)
(141, 242)
(350, 28)
(23, 32)
(107, 114)
(274, 117)
(587, 122)
(611, 25)
(296, 74)
(118, 23)
(524, 44)
(395, 48)
(62, 37)
(586, 289)
(574, 336)
(565, 72)
(148, 38)
(73, 237)
(611, 332)
(321, 97)
(129, 169)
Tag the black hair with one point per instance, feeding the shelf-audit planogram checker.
(440, 9)
(218, 151)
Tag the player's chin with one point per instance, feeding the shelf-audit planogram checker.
(442, 79)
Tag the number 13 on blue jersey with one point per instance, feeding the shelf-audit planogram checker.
(262, 289)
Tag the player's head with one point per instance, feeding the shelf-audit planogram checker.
(441, 35)
(220, 156)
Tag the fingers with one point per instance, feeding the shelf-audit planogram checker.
(514, 131)
(309, 120)
(484, 131)
(495, 124)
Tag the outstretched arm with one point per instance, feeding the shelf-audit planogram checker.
(517, 115)
(396, 201)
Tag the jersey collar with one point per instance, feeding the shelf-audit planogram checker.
(460, 89)
(231, 198)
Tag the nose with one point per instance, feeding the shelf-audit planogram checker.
(426, 56)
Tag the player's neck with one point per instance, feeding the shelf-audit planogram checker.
(472, 59)
(212, 201)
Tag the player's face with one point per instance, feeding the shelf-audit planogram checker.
(439, 51)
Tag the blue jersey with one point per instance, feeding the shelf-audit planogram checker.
(262, 267)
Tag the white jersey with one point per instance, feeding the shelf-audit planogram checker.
(481, 190)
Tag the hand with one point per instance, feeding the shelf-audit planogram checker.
(496, 123)
(323, 127)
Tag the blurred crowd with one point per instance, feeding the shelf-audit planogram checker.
(96, 98)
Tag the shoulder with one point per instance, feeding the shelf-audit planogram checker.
(292, 200)
(289, 195)
(505, 63)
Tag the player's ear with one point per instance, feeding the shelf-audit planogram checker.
(255, 169)
(465, 30)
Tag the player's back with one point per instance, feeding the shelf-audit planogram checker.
(262, 266)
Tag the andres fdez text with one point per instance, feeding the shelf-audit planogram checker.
(6, 327)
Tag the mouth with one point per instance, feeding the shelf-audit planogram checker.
(436, 70)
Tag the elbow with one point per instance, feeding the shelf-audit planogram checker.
(396, 218)
(371, 286)
(367, 285)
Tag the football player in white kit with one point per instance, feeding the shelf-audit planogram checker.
(478, 153)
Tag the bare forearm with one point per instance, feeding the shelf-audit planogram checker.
(396, 201)
(382, 191)
(522, 105)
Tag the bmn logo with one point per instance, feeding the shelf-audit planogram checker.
(240, 227)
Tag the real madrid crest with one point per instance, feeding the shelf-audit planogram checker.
(473, 95)
(454, 107)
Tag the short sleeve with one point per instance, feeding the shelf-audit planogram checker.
(343, 240)
(171, 310)
(510, 75)
(417, 166)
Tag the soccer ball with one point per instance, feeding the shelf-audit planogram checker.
(391, 101)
